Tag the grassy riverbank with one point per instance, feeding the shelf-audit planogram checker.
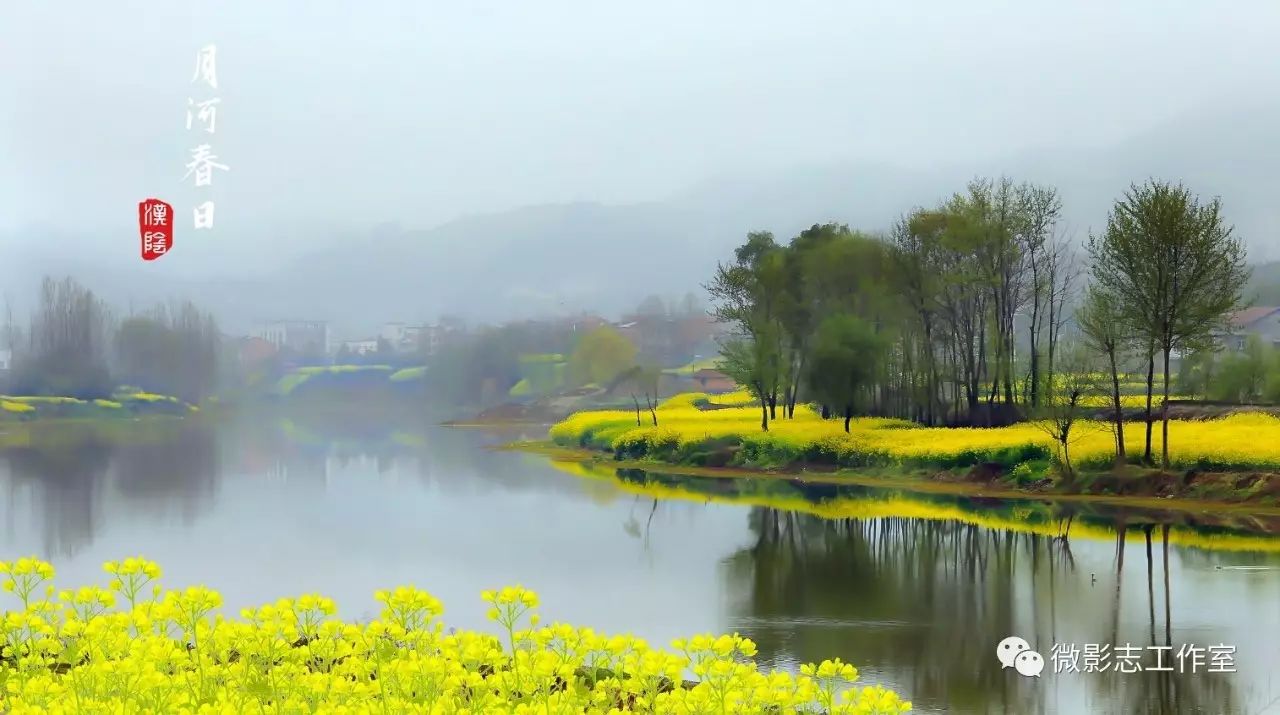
(1230, 459)
(124, 404)
(1214, 527)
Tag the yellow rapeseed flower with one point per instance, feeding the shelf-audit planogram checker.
(175, 653)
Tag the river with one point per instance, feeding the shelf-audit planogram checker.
(916, 590)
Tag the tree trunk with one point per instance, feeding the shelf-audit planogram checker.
(795, 388)
(764, 406)
(1164, 414)
(1115, 402)
(635, 400)
(848, 415)
(1034, 396)
(1151, 379)
(931, 373)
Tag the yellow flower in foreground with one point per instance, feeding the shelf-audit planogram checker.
(176, 654)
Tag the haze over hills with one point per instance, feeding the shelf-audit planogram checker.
(589, 256)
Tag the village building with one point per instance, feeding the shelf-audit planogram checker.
(713, 381)
(299, 335)
(1260, 321)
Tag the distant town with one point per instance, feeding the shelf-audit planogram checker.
(660, 337)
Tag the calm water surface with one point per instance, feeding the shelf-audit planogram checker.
(915, 590)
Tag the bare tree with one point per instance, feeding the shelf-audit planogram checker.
(1063, 279)
(66, 344)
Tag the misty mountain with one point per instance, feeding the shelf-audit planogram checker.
(587, 256)
(607, 258)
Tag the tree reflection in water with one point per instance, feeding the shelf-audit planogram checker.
(923, 602)
(65, 474)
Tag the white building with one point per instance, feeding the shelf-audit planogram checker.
(413, 338)
(302, 335)
(367, 346)
(1261, 321)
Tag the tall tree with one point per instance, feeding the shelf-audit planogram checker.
(173, 350)
(67, 345)
(1175, 264)
(847, 355)
(750, 295)
(1043, 210)
(1243, 374)
(916, 256)
(651, 306)
(750, 361)
(647, 380)
(1102, 324)
(600, 356)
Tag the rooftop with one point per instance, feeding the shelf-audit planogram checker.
(1248, 316)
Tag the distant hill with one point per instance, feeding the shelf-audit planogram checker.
(606, 258)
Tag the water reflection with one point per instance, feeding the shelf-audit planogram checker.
(65, 480)
(920, 601)
(914, 589)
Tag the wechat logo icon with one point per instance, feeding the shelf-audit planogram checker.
(1014, 652)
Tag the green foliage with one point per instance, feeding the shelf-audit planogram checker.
(1030, 472)
(473, 368)
(729, 437)
(409, 373)
(171, 349)
(1173, 266)
(540, 374)
(600, 356)
(321, 376)
(751, 294)
(845, 362)
(1250, 375)
(124, 403)
(692, 367)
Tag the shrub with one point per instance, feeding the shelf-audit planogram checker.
(1023, 474)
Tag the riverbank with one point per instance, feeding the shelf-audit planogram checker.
(123, 405)
(1234, 459)
(583, 461)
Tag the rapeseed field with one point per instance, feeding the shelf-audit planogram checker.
(687, 433)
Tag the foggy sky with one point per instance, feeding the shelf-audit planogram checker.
(340, 115)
